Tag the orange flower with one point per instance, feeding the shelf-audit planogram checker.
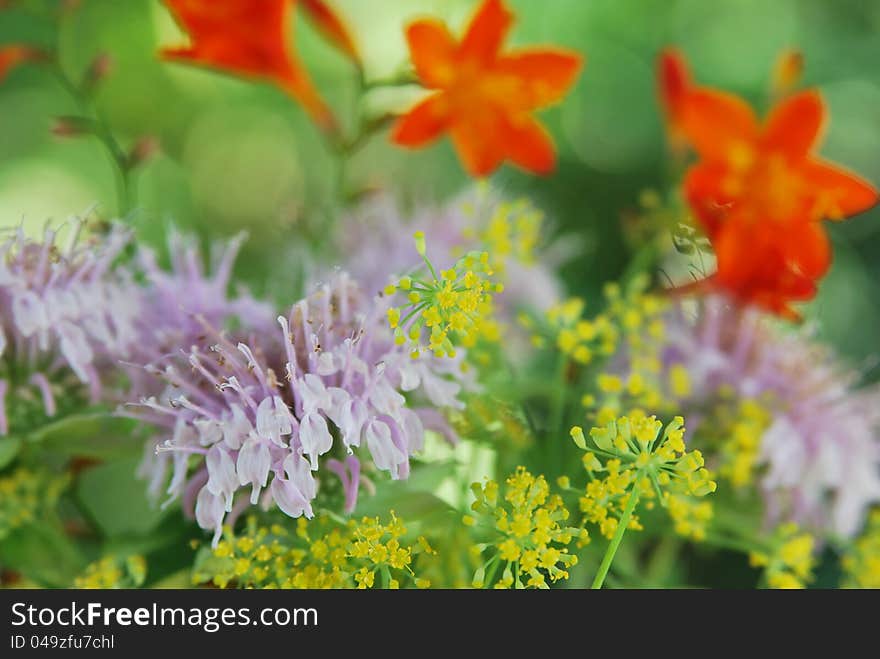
(252, 38)
(758, 189)
(485, 99)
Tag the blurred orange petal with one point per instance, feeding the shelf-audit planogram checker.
(247, 38)
(545, 76)
(704, 191)
(332, 27)
(760, 265)
(433, 52)
(839, 193)
(809, 251)
(423, 124)
(530, 146)
(794, 125)
(674, 79)
(486, 32)
(716, 123)
(479, 143)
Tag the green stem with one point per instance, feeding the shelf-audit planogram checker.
(618, 535)
(491, 569)
(103, 134)
(555, 429)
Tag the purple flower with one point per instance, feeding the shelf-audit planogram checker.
(181, 300)
(821, 452)
(265, 415)
(66, 315)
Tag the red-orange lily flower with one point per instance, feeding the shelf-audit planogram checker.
(758, 189)
(485, 98)
(252, 38)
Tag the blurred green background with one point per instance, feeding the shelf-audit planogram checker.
(236, 155)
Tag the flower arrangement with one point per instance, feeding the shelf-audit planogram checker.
(392, 390)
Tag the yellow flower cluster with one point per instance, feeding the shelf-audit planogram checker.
(640, 462)
(112, 572)
(741, 435)
(378, 548)
(322, 553)
(25, 496)
(638, 318)
(631, 324)
(529, 537)
(580, 339)
(861, 561)
(455, 306)
(690, 516)
(514, 230)
(789, 562)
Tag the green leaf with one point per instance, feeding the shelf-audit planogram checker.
(9, 448)
(409, 506)
(43, 554)
(117, 500)
(177, 580)
(96, 435)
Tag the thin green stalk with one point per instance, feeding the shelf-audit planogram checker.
(104, 135)
(491, 569)
(557, 411)
(618, 535)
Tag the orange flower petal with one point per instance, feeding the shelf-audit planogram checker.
(530, 146)
(808, 250)
(424, 123)
(766, 265)
(480, 143)
(704, 190)
(250, 39)
(332, 27)
(794, 125)
(839, 193)
(544, 76)
(674, 81)
(717, 123)
(486, 32)
(433, 51)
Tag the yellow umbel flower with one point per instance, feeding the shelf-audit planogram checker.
(861, 561)
(690, 516)
(741, 441)
(452, 308)
(788, 560)
(26, 496)
(639, 461)
(529, 539)
(631, 323)
(321, 553)
(513, 230)
(112, 572)
(579, 339)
